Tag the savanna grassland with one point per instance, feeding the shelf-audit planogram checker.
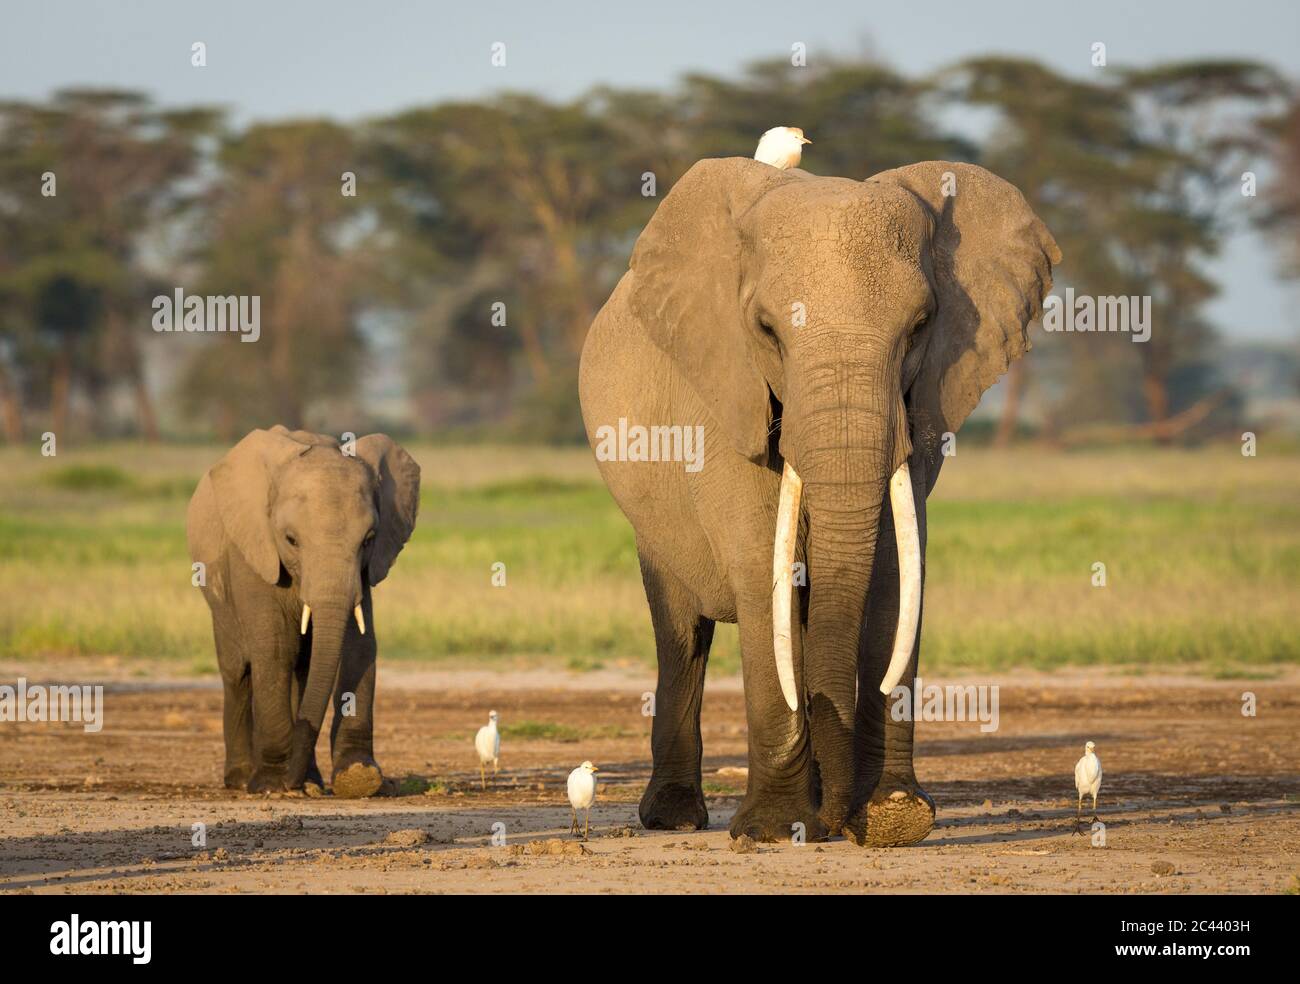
(1202, 555)
(1201, 552)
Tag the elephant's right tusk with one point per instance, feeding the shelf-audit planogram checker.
(907, 536)
(306, 617)
(361, 619)
(787, 531)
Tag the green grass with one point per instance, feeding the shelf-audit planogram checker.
(413, 786)
(550, 731)
(1202, 555)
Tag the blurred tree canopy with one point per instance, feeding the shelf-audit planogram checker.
(81, 180)
(435, 271)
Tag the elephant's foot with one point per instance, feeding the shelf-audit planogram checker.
(314, 776)
(897, 815)
(834, 813)
(273, 780)
(238, 774)
(673, 806)
(267, 779)
(358, 779)
(772, 817)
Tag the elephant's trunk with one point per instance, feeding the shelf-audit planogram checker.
(842, 527)
(839, 458)
(840, 451)
(329, 626)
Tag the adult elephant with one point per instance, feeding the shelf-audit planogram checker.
(293, 533)
(826, 334)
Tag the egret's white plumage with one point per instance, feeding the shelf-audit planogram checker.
(582, 794)
(781, 146)
(1087, 777)
(488, 745)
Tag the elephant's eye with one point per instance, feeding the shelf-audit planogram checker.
(293, 540)
(370, 538)
(915, 329)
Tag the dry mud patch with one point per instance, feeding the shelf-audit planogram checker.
(1196, 797)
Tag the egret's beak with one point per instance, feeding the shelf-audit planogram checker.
(594, 769)
(804, 140)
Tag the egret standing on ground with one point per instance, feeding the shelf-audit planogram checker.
(1087, 779)
(488, 745)
(582, 794)
(781, 146)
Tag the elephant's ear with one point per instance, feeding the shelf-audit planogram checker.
(686, 292)
(241, 484)
(204, 533)
(398, 497)
(991, 264)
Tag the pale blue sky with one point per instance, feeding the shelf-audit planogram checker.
(346, 59)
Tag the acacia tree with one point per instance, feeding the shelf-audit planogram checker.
(1197, 127)
(509, 203)
(1129, 174)
(279, 227)
(862, 116)
(1065, 144)
(83, 180)
(1280, 137)
(537, 204)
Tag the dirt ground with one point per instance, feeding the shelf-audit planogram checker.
(1196, 797)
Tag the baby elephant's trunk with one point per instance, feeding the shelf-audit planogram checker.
(329, 626)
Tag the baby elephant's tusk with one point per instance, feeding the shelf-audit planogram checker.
(361, 619)
(306, 617)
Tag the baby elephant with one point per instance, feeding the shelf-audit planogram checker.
(292, 531)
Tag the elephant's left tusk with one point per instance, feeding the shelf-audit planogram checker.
(908, 539)
(306, 617)
(787, 531)
(361, 619)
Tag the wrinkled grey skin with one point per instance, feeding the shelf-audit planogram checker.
(914, 302)
(285, 518)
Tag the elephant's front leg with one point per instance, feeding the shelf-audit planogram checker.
(893, 810)
(352, 733)
(272, 722)
(237, 705)
(674, 799)
(300, 671)
(780, 757)
(237, 727)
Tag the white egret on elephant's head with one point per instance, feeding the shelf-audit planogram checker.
(781, 146)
